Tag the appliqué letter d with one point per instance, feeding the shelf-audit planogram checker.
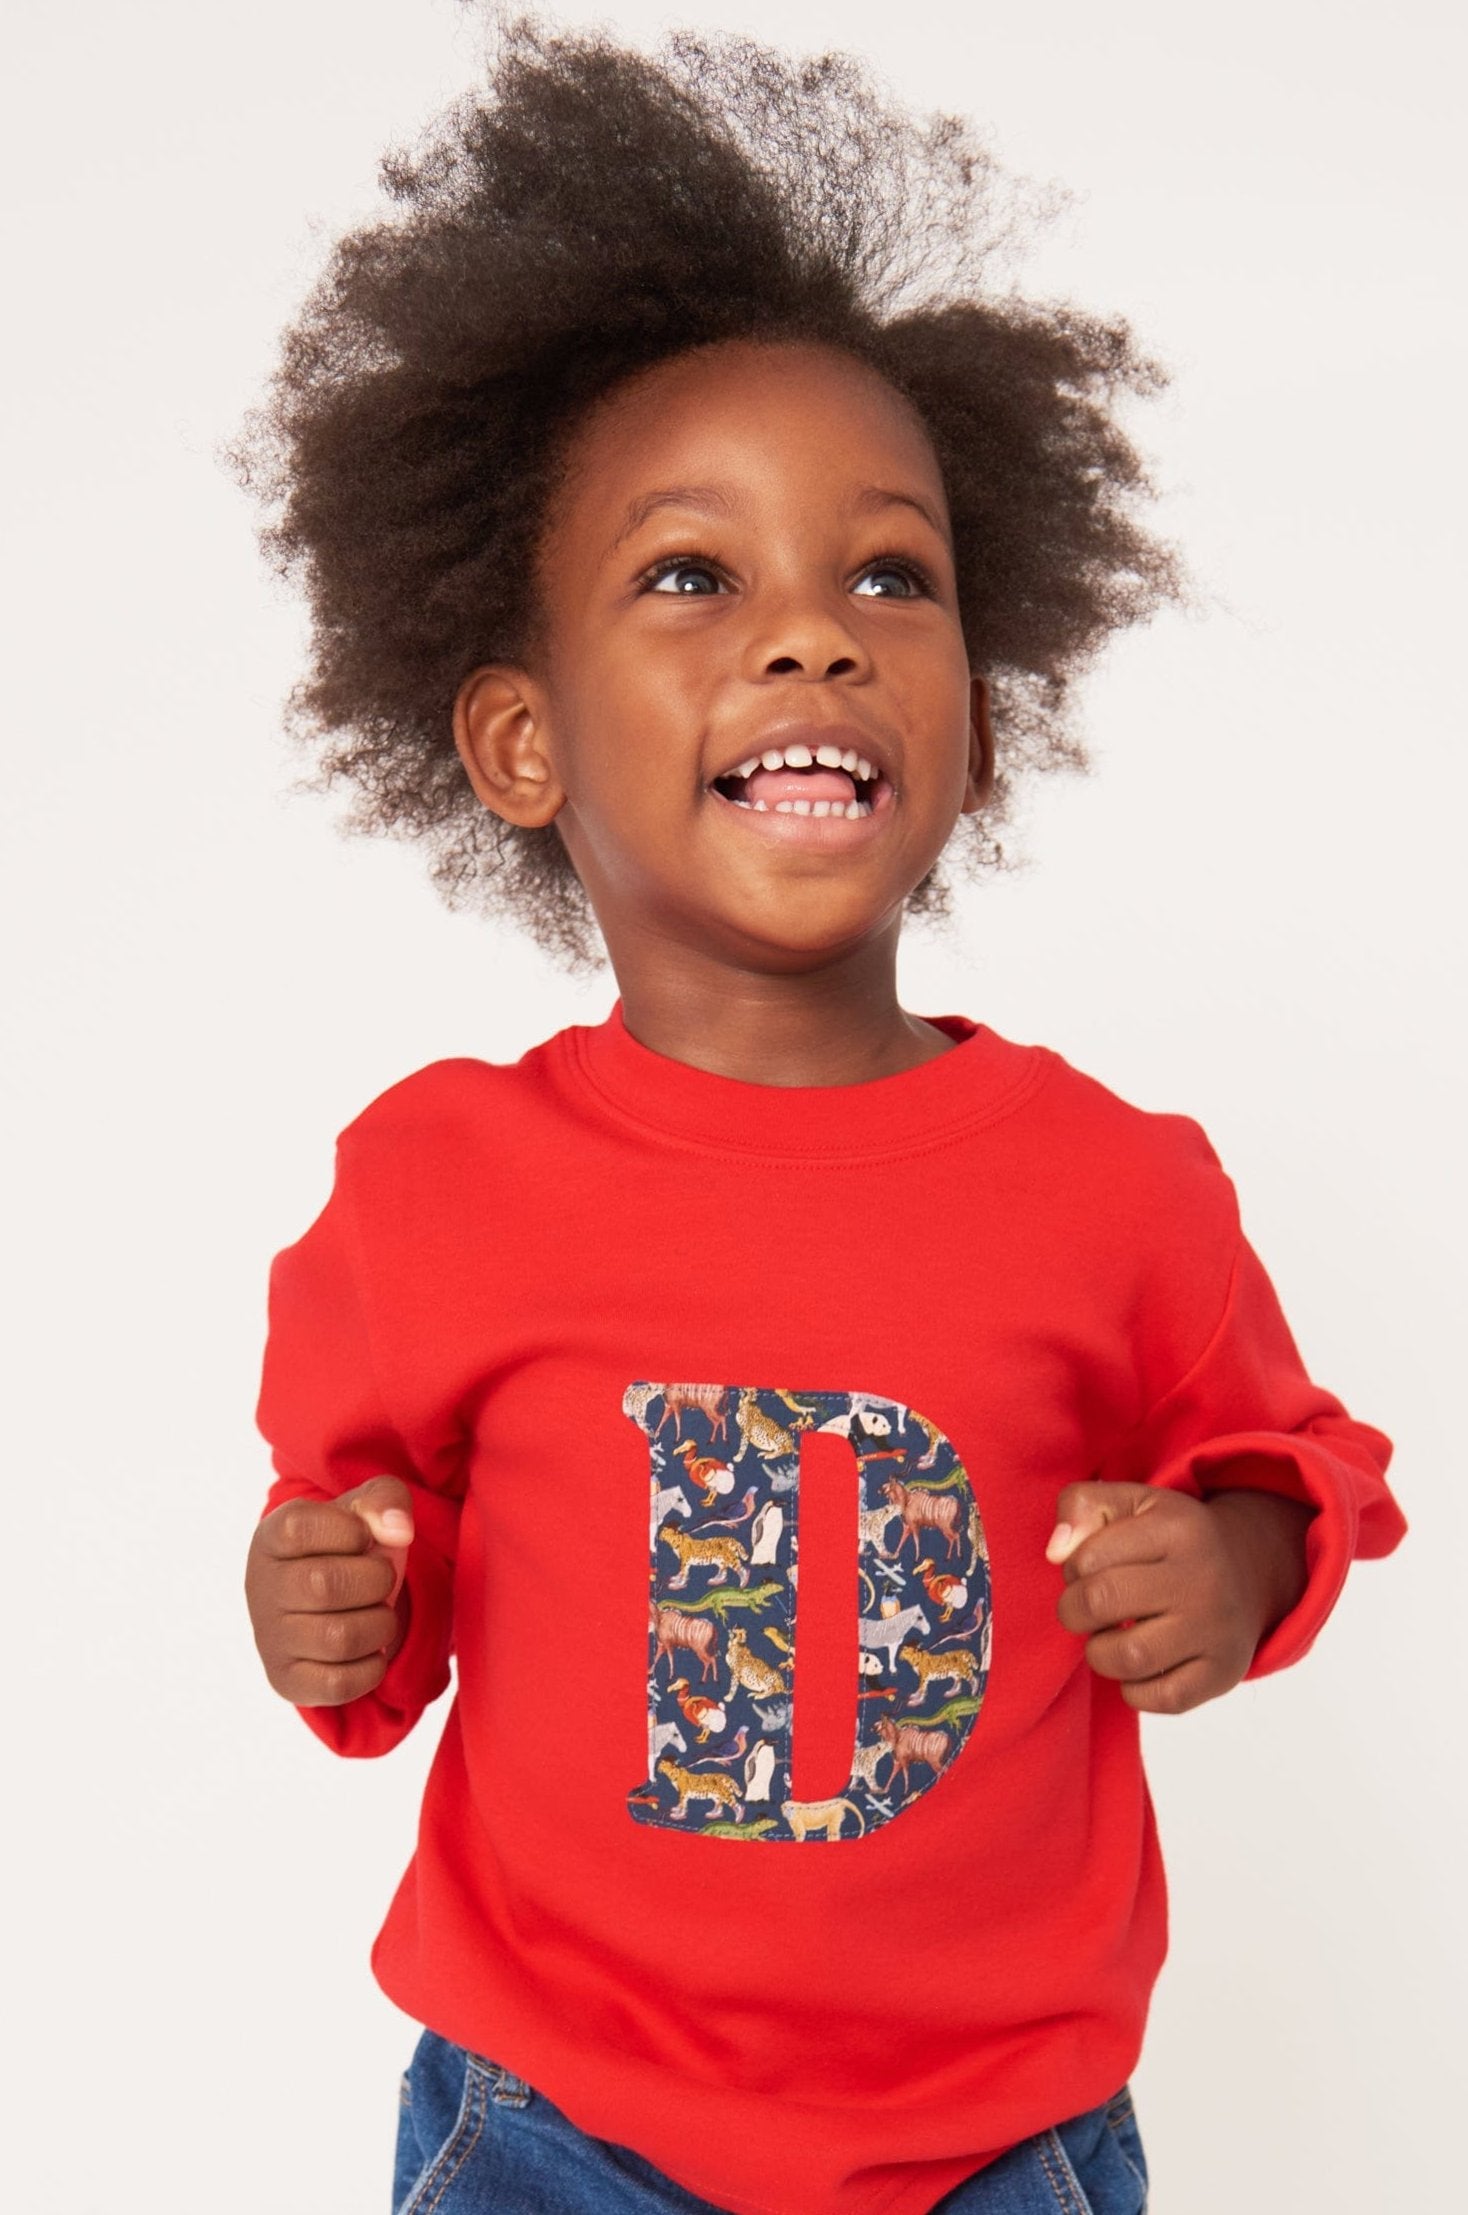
(724, 1531)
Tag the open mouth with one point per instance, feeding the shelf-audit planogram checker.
(816, 789)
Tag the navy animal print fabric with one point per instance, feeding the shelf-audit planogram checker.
(724, 1532)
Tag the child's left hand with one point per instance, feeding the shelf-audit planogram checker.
(1176, 1593)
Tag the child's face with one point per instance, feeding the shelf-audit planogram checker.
(727, 560)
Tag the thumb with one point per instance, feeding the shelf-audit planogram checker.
(1085, 1508)
(385, 1505)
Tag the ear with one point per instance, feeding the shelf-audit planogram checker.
(499, 724)
(981, 748)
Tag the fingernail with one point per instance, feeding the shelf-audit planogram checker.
(1059, 1543)
(397, 1526)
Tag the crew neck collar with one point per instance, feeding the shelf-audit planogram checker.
(980, 1077)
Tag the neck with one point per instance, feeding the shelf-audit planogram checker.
(839, 1024)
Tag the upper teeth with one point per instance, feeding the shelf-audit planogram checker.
(801, 757)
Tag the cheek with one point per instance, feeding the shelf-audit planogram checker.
(639, 721)
(626, 787)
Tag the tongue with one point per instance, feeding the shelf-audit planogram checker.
(771, 785)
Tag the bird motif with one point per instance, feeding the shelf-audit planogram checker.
(706, 1470)
(703, 1716)
(948, 1594)
(732, 1522)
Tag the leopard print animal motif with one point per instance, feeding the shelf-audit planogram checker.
(690, 1786)
(873, 1522)
(719, 1554)
(929, 1668)
(723, 1585)
(762, 1429)
(746, 1668)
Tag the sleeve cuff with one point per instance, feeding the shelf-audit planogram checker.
(1297, 1468)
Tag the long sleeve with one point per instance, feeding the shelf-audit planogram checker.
(1246, 1415)
(322, 1412)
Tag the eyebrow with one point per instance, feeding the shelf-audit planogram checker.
(719, 502)
(711, 497)
(872, 497)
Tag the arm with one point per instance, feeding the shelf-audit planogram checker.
(1249, 1419)
(1182, 1604)
(323, 1414)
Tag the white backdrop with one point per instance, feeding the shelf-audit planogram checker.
(1245, 915)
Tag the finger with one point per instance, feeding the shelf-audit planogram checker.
(385, 1505)
(1085, 1508)
(311, 1527)
(337, 1638)
(1145, 1648)
(329, 1684)
(397, 1559)
(1129, 1545)
(1153, 1534)
(1175, 1690)
(1120, 1595)
(329, 1584)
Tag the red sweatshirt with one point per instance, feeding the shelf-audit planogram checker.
(655, 1349)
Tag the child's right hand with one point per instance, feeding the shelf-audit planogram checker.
(320, 1582)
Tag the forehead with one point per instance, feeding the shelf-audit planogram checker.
(765, 419)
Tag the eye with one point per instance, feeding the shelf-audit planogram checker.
(914, 582)
(670, 577)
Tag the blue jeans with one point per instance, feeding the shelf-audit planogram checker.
(474, 2140)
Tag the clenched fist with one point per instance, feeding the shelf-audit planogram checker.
(1173, 1594)
(321, 1583)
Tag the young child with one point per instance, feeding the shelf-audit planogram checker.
(685, 567)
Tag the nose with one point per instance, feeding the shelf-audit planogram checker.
(809, 638)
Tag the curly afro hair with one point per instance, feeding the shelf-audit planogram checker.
(589, 212)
